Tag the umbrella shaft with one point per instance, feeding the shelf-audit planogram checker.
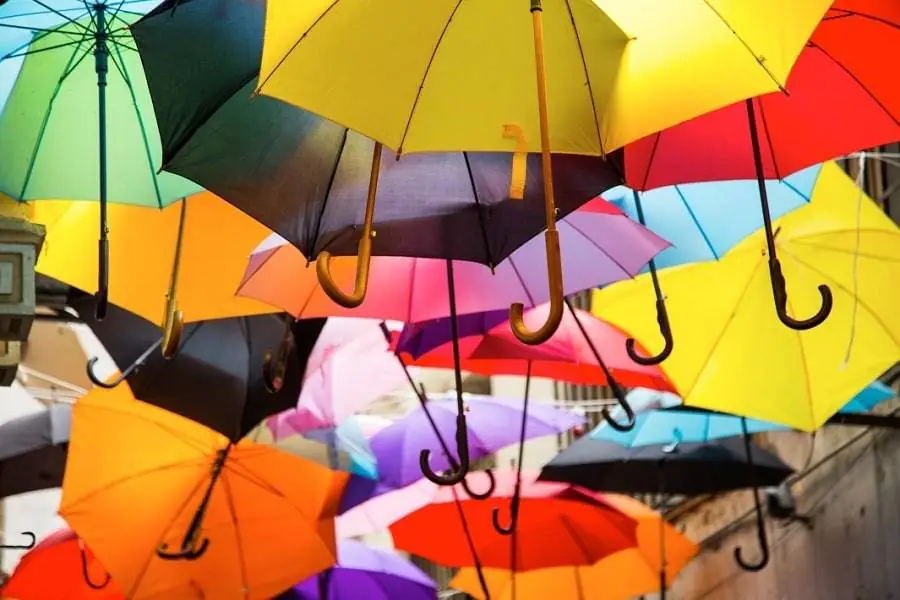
(101, 67)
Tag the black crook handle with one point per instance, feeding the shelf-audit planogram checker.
(457, 473)
(628, 425)
(513, 516)
(87, 576)
(753, 567)
(27, 546)
(760, 521)
(133, 368)
(665, 330)
(186, 553)
(492, 485)
(779, 292)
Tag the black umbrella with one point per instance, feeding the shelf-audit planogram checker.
(691, 469)
(33, 451)
(219, 376)
(314, 182)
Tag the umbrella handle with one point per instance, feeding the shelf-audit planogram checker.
(133, 368)
(86, 575)
(779, 293)
(492, 485)
(364, 250)
(275, 365)
(172, 329)
(517, 310)
(27, 546)
(513, 517)
(100, 307)
(190, 553)
(665, 330)
(457, 473)
(760, 521)
(628, 425)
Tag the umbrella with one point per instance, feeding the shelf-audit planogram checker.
(33, 450)
(349, 367)
(608, 246)
(306, 178)
(364, 572)
(219, 376)
(661, 419)
(624, 574)
(195, 514)
(60, 568)
(702, 226)
(862, 109)
(735, 356)
(332, 454)
(586, 527)
(692, 469)
(64, 105)
(180, 264)
(397, 446)
(435, 99)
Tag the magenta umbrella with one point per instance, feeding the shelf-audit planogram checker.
(600, 245)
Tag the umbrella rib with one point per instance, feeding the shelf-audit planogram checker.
(60, 14)
(600, 248)
(229, 500)
(857, 81)
(119, 61)
(331, 178)
(434, 51)
(484, 234)
(512, 264)
(807, 376)
(746, 45)
(587, 77)
(765, 123)
(650, 161)
(700, 228)
(846, 12)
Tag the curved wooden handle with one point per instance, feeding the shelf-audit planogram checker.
(364, 252)
(554, 271)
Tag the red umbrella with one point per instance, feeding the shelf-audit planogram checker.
(493, 349)
(60, 568)
(556, 525)
(839, 99)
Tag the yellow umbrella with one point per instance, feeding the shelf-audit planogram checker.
(621, 575)
(734, 355)
(450, 75)
(181, 263)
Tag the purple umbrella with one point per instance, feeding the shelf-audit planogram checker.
(418, 339)
(492, 425)
(364, 572)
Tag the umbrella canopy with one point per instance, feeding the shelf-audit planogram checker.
(468, 68)
(603, 243)
(60, 568)
(873, 395)
(52, 110)
(373, 508)
(33, 450)
(705, 220)
(231, 521)
(861, 109)
(737, 357)
(619, 576)
(364, 572)
(489, 347)
(306, 178)
(691, 469)
(218, 376)
(586, 527)
(397, 446)
(209, 239)
(350, 366)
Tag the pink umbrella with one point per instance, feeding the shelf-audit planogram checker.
(350, 366)
(600, 245)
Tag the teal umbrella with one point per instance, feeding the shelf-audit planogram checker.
(78, 122)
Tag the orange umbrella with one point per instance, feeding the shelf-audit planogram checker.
(174, 510)
(624, 574)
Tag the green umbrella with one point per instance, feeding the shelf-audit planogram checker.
(79, 123)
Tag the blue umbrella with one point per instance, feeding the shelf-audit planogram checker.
(656, 423)
(703, 221)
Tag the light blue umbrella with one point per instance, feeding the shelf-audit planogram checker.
(654, 425)
(703, 221)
